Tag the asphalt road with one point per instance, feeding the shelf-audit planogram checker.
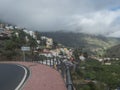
(11, 76)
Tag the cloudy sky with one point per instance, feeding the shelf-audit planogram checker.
(87, 16)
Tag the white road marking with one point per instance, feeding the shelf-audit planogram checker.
(22, 81)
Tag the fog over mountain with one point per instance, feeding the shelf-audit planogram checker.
(86, 16)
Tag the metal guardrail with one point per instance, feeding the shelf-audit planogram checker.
(69, 80)
(60, 66)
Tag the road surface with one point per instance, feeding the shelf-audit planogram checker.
(12, 76)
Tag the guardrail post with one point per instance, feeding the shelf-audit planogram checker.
(46, 60)
(62, 69)
(42, 60)
(58, 64)
(50, 62)
(53, 62)
(68, 79)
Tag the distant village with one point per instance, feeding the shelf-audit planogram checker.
(48, 50)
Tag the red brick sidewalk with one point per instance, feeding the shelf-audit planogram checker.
(42, 77)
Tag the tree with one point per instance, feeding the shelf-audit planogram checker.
(55, 44)
(9, 49)
(77, 53)
(85, 54)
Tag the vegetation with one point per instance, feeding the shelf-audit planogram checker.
(11, 48)
(92, 75)
(113, 52)
(90, 43)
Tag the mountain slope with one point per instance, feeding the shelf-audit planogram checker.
(90, 43)
(113, 51)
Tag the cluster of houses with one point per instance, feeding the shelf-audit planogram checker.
(6, 32)
(105, 60)
(48, 51)
(48, 42)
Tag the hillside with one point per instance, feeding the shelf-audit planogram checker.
(113, 51)
(91, 43)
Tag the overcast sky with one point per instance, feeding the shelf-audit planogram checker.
(87, 16)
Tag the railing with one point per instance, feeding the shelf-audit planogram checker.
(61, 66)
(69, 80)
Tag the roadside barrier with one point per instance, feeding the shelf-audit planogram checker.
(60, 65)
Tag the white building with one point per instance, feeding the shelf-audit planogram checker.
(38, 41)
(26, 31)
(82, 58)
(49, 42)
(9, 27)
(17, 34)
(31, 33)
(43, 37)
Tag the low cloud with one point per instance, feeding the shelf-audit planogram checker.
(86, 16)
(101, 22)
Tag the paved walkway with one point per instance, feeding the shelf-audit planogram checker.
(42, 77)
